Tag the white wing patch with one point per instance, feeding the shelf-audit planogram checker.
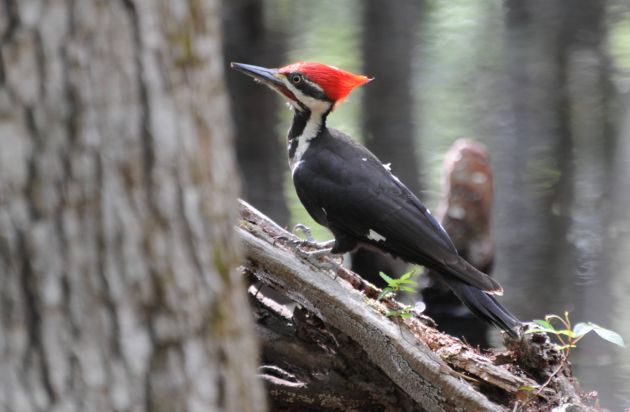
(372, 235)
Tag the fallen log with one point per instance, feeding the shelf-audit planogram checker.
(339, 351)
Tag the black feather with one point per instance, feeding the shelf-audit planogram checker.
(483, 305)
(347, 189)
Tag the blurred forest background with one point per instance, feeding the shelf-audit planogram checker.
(118, 178)
(545, 85)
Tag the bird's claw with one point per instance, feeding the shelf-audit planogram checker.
(306, 231)
(314, 257)
(309, 242)
(292, 242)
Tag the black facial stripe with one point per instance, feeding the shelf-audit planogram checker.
(307, 87)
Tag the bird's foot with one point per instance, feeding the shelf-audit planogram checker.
(323, 249)
(315, 257)
(305, 230)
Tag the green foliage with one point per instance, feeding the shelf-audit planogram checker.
(403, 283)
(569, 336)
(404, 312)
(527, 388)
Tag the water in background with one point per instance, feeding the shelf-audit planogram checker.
(551, 102)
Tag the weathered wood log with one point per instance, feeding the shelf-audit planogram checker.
(339, 350)
(333, 372)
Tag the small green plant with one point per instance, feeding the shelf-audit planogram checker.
(403, 283)
(404, 312)
(569, 335)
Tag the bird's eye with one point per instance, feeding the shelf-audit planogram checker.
(296, 79)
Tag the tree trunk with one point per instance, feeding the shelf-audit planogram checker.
(249, 39)
(117, 191)
(559, 96)
(388, 40)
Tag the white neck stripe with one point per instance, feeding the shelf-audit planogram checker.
(318, 108)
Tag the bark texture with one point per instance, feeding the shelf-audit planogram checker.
(340, 351)
(117, 191)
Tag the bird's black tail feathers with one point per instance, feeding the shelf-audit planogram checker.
(483, 305)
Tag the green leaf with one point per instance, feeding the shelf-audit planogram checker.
(609, 335)
(383, 293)
(527, 388)
(405, 312)
(408, 282)
(544, 324)
(565, 332)
(407, 289)
(539, 331)
(549, 317)
(582, 329)
(395, 283)
(385, 277)
(406, 276)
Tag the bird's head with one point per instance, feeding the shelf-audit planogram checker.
(306, 85)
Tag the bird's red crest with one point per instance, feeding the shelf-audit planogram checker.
(336, 83)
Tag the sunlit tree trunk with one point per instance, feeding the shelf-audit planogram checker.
(117, 201)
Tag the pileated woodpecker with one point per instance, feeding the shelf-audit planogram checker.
(347, 189)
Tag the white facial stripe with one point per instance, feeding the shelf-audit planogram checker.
(315, 105)
(310, 131)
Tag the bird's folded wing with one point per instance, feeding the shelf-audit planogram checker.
(387, 214)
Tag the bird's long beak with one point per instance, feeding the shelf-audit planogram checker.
(259, 73)
(270, 77)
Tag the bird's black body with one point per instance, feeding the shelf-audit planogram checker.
(347, 189)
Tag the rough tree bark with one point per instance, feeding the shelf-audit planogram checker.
(117, 191)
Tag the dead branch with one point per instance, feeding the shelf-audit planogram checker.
(339, 351)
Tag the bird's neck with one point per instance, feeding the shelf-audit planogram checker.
(308, 123)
